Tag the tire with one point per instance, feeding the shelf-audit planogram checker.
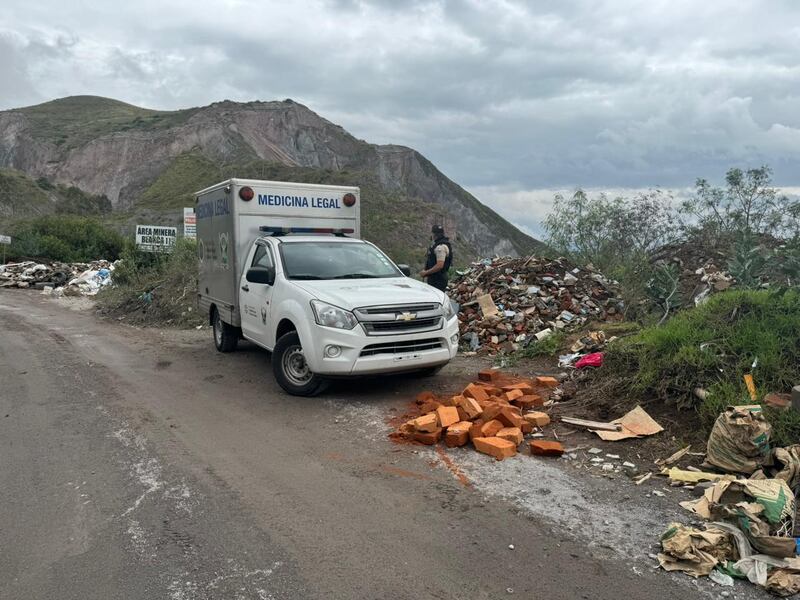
(291, 370)
(226, 337)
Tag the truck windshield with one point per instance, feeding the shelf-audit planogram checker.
(335, 260)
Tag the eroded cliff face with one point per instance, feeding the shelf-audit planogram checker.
(124, 161)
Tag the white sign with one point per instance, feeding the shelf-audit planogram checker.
(189, 223)
(5, 239)
(154, 238)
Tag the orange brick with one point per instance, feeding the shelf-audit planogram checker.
(491, 390)
(512, 434)
(549, 382)
(491, 410)
(462, 414)
(494, 446)
(447, 415)
(513, 395)
(537, 419)
(476, 392)
(457, 434)
(528, 401)
(490, 428)
(546, 448)
(526, 427)
(424, 397)
(525, 388)
(469, 406)
(490, 375)
(426, 423)
(429, 438)
(475, 430)
(510, 417)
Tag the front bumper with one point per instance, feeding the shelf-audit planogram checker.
(362, 355)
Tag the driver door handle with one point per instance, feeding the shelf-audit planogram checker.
(245, 288)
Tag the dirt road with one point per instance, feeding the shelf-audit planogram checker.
(143, 464)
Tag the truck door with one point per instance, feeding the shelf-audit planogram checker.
(254, 298)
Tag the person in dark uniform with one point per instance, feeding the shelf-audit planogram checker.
(439, 259)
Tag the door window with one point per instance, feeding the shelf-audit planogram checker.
(262, 257)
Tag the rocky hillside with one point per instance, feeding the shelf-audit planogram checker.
(146, 163)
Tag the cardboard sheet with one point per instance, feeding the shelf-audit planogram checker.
(637, 423)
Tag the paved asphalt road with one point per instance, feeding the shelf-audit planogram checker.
(142, 465)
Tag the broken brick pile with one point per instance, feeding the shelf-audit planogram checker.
(507, 303)
(493, 414)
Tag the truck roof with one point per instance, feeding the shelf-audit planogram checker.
(264, 182)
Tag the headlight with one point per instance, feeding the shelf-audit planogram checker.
(450, 308)
(328, 315)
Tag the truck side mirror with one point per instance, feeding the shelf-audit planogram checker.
(265, 275)
(405, 270)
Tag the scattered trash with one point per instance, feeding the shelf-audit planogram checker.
(739, 440)
(636, 423)
(751, 533)
(67, 279)
(671, 460)
(693, 551)
(680, 475)
(721, 578)
(594, 360)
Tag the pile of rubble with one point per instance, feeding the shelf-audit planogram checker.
(69, 279)
(494, 414)
(507, 303)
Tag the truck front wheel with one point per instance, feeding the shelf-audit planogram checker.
(291, 369)
(226, 337)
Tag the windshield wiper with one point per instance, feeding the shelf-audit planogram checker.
(357, 276)
(306, 277)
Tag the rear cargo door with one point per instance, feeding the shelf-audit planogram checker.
(255, 298)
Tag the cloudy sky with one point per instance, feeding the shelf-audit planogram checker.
(513, 100)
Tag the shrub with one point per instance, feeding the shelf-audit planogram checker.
(64, 238)
(155, 289)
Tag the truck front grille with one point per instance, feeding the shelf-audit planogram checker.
(402, 347)
(400, 319)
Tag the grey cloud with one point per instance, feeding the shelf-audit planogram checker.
(499, 94)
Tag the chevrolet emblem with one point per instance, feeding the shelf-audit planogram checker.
(406, 316)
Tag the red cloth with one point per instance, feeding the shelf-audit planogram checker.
(590, 360)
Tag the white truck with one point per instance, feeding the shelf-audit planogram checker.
(282, 265)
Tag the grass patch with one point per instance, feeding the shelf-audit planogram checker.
(155, 289)
(712, 347)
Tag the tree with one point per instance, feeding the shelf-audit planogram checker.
(747, 206)
(610, 233)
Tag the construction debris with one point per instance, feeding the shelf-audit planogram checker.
(68, 279)
(491, 413)
(509, 303)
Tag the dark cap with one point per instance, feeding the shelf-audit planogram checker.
(437, 229)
